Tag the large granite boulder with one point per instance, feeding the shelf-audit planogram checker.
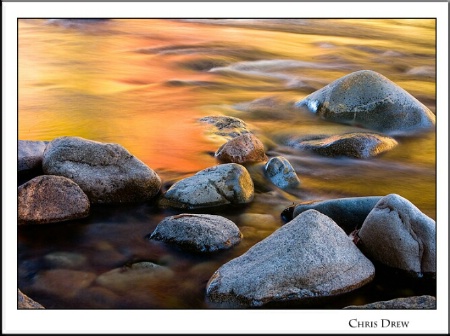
(51, 199)
(413, 302)
(397, 234)
(214, 186)
(356, 145)
(308, 258)
(368, 99)
(107, 173)
(198, 232)
(24, 302)
(246, 148)
(349, 212)
(281, 173)
(30, 155)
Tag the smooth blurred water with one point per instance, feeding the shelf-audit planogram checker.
(144, 83)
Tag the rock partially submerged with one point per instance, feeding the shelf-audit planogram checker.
(368, 99)
(51, 199)
(310, 257)
(413, 302)
(357, 145)
(226, 127)
(214, 186)
(281, 173)
(30, 155)
(396, 233)
(246, 148)
(198, 232)
(349, 212)
(107, 173)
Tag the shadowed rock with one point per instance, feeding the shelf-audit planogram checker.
(198, 232)
(107, 173)
(51, 199)
(310, 257)
(397, 234)
(24, 302)
(30, 154)
(214, 186)
(414, 302)
(245, 148)
(357, 145)
(368, 99)
(281, 173)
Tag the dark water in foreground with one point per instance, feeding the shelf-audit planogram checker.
(145, 83)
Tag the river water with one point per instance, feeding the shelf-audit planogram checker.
(144, 83)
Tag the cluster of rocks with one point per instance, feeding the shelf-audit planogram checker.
(327, 248)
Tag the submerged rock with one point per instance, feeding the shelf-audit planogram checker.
(349, 213)
(281, 173)
(51, 199)
(214, 186)
(310, 257)
(30, 155)
(414, 302)
(368, 99)
(245, 148)
(198, 232)
(227, 127)
(24, 302)
(107, 173)
(358, 145)
(396, 233)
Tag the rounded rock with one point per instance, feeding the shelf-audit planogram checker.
(246, 148)
(281, 173)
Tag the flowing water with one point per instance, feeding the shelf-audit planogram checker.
(144, 83)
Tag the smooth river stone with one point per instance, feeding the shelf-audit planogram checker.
(246, 148)
(413, 302)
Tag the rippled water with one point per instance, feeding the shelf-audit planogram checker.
(144, 83)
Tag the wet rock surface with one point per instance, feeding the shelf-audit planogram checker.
(368, 99)
(309, 257)
(413, 302)
(107, 173)
(198, 232)
(51, 199)
(246, 148)
(218, 185)
(281, 173)
(397, 234)
(225, 126)
(356, 145)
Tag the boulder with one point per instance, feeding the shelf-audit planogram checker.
(397, 234)
(107, 173)
(308, 258)
(50, 199)
(413, 302)
(214, 186)
(356, 145)
(349, 212)
(368, 99)
(29, 155)
(246, 148)
(281, 173)
(198, 232)
(24, 302)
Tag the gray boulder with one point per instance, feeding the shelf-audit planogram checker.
(50, 199)
(214, 186)
(281, 173)
(414, 302)
(397, 234)
(358, 145)
(107, 173)
(368, 99)
(246, 148)
(24, 302)
(198, 232)
(29, 155)
(349, 213)
(310, 257)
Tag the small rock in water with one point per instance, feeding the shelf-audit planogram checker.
(51, 199)
(281, 173)
(356, 145)
(198, 232)
(368, 99)
(30, 154)
(245, 148)
(214, 186)
(414, 302)
(397, 234)
(310, 257)
(65, 260)
(107, 173)
(227, 127)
